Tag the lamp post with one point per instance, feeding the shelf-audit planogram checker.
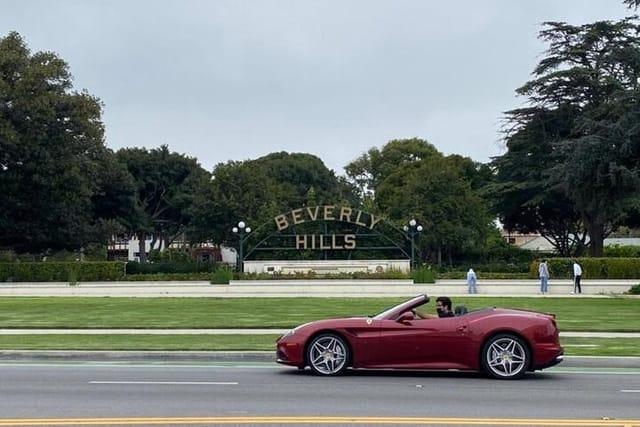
(412, 230)
(242, 230)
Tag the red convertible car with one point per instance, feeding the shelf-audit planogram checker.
(502, 343)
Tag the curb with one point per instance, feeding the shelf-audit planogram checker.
(243, 356)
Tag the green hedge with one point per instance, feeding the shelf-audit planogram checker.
(88, 271)
(592, 268)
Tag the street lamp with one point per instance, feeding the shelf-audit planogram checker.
(242, 230)
(412, 230)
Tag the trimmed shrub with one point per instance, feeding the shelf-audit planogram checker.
(592, 268)
(221, 277)
(635, 290)
(61, 271)
(424, 275)
(621, 251)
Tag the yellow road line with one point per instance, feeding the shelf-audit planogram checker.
(320, 420)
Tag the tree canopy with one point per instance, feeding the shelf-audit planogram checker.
(167, 184)
(581, 119)
(54, 167)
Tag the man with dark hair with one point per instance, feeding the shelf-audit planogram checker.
(443, 307)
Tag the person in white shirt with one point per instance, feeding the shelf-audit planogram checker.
(577, 275)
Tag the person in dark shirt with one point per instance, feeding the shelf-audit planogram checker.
(443, 307)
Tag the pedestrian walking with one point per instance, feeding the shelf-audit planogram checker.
(543, 273)
(472, 281)
(577, 275)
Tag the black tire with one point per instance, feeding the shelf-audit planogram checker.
(328, 354)
(505, 357)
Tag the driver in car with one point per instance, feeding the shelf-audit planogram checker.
(443, 307)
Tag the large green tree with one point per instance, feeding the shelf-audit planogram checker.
(592, 71)
(370, 169)
(524, 197)
(53, 162)
(256, 190)
(435, 192)
(167, 183)
(412, 179)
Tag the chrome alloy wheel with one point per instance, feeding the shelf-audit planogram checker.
(328, 355)
(506, 356)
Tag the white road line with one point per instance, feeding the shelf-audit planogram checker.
(629, 391)
(167, 382)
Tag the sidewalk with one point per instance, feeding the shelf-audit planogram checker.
(313, 288)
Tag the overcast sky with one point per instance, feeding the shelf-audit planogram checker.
(237, 79)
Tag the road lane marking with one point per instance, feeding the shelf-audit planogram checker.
(321, 420)
(167, 382)
(629, 391)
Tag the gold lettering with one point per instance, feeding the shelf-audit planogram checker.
(328, 213)
(301, 240)
(349, 241)
(345, 214)
(322, 246)
(313, 215)
(296, 214)
(334, 245)
(313, 241)
(374, 221)
(281, 222)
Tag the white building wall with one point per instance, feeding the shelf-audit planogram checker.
(134, 248)
(325, 266)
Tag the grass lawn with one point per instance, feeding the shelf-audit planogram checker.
(573, 314)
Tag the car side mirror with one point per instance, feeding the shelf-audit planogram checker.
(405, 317)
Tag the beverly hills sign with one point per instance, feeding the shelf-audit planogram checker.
(341, 239)
(326, 213)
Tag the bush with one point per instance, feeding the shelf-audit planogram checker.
(169, 266)
(635, 290)
(61, 271)
(424, 275)
(221, 276)
(621, 251)
(592, 268)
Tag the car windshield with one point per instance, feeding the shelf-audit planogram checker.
(404, 306)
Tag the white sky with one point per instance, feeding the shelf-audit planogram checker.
(223, 80)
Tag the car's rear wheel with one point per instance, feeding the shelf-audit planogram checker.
(505, 356)
(328, 354)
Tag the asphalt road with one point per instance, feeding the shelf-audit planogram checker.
(259, 393)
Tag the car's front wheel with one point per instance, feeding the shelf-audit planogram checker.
(505, 356)
(328, 354)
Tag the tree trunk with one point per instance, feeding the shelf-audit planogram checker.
(142, 248)
(596, 234)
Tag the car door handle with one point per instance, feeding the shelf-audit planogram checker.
(462, 329)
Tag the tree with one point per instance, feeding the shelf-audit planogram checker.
(632, 4)
(435, 192)
(256, 190)
(412, 179)
(370, 169)
(166, 185)
(53, 161)
(591, 70)
(524, 196)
